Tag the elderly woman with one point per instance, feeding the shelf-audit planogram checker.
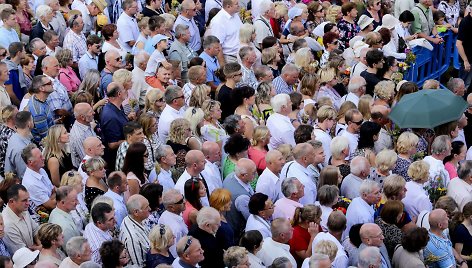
(80, 213)
(374, 40)
(303, 58)
(94, 185)
(195, 117)
(394, 189)
(44, 14)
(373, 11)
(199, 95)
(90, 84)
(265, 91)
(406, 147)
(130, 104)
(67, 76)
(28, 66)
(328, 80)
(384, 92)
(339, 148)
(385, 161)
(271, 57)
(212, 130)
(51, 238)
(330, 43)
(236, 257)
(261, 209)
(110, 33)
(181, 141)
(154, 103)
(328, 197)
(305, 227)
(247, 37)
(161, 238)
(416, 198)
(252, 242)
(220, 199)
(57, 160)
(258, 150)
(410, 253)
(236, 147)
(390, 215)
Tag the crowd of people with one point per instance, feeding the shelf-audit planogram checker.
(228, 133)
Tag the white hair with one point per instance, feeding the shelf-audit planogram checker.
(369, 256)
(75, 246)
(140, 58)
(278, 101)
(358, 164)
(265, 6)
(355, 84)
(207, 215)
(316, 258)
(288, 187)
(338, 144)
(368, 186)
(42, 11)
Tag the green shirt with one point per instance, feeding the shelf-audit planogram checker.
(423, 19)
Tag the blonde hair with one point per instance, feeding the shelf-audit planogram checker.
(326, 247)
(199, 95)
(324, 101)
(364, 106)
(326, 112)
(286, 150)
(385, 90)
(419, 170)
(386, 160)
(208, 106)
(157, 240)
(245, 33)
(122, 76)
(327, 74)
(93, 164)
(309, 83)
(406, 141)
(52, 145)
(269, 55)
(143, 23)
(281, 9)
(303, 57)
(169, 19)
(71, 178)
(47, 233)
(346, 106)
(307, 213)
(332, 13)
(259, 133)
(219, 198)
(234, 255)
(8, 112)
(393, 185)
(152, 96)
(177, 132)
(194, 117)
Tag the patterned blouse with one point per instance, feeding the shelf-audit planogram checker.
(347, 31)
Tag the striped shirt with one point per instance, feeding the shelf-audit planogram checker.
(96, 237)
(42, 118)
(135, 237)
(59, 99)
(281, 86)
(75, 43)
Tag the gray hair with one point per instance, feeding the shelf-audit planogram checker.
(42, 11)
(289, 68)
(265, 6)
(209, 41)
(288, 186)
(245, 51)
(27, 152)
(278, 101)
(440, 144)
(355, 84)
(338, 145)
(316, 258)
(368, 186)
(368, 257)
(207, 215)
(232, 121)
(162, 151)
(75, 246)
(72, 21)
(280, 262)
(465, 169)
(89, 264)
(141, 57)
(34, 42)
(169, 197)
(327, 194)
(171, 93)
(358, 164)
(453, 83)
(180, 30)
(134, 203)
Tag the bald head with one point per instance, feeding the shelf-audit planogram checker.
(379, 109)
(111, 55)
(193, 156)
(438, 219)
(245, 169)
(209, 147)
(371, 234)
(301, 150)
(48, 61)
(275, 161)
(83, 112)
(93, 146)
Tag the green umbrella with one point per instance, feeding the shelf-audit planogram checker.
(428, 108)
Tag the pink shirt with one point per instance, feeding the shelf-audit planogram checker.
(451, 169)
(185, 215)
(69, 79)
(258, 157)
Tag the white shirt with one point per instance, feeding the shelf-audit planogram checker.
(96, 237)
(325, 212)
(165, 179)
(437, 170)
(88, 23)
(350, 186)
(383, 142)
(212, 175)
(358, 212)
(460, 191)
(263, 27)
(416, 199)
(255, 222)
(179, 185)
(285, 208)
(128, 29)
(39, 185)
(353, 140)
(119, 205)
(210, 4)
(341, 260)
(226, 28)
(272, 250)
(167, 116)
(281, 131)
(177, 225)
(270, 184)
(325, 138)
(305, 176)
(357, 69)
(87, 62)
(350, 97)
(255, 8)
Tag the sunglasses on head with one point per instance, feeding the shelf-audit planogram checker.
(187, 245)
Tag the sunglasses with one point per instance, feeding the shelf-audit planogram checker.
(118, 59)
(160, 100)
(47, 84)
(358, 123)
(335, 42)
(181, 201)
(4, 54)
(179, 97)
(189, 242)
(378, 3)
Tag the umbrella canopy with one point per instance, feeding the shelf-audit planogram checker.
(428, 108)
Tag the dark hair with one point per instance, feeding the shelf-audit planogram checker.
(195, 61)
(93, 39)
(328, 27)
(354, 234)
(39, 65)
(156, 22)
(110, 252)
(231, 123)
(5, 185)
(269, 41)
(113, 180)
(385, 35)
(303, 133)
(388, 63)
(212, 14)
(257, 203)
(296, 99)
(406, 88)
(366, 134)
(437, 15)
(390, 211)
(48, 35)
(130, 127)
(98, 212)
(240, 93)
(14, 48)
(108, 30)
(251, 240)
(191, 192)
(406, 16)
(152, 192)
(415, 239)
(373, 57)
(236, 144)
(347, 7)
(22, 118)
(134, 160)
(14, 191)
(4, 259)
(455, 149)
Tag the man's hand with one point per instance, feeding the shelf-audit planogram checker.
(466, 66)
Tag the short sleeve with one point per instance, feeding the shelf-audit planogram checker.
(460, 234)
(297, 243)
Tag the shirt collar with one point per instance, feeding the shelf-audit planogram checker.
(246, 186)
(115, 195)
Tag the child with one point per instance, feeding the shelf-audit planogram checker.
(439, 19)
(160, 43)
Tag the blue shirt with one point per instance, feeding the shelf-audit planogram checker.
(112, 121)
(438, 253)
(14, 81)
(42, 118)
(8, 37)
(212, 65)
(281, 86)
(106, 79)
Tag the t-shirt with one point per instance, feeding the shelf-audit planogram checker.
(300, 241)
(464, 28)
(371, 80)
(224, 97)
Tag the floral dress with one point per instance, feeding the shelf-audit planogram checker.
(401, 168)
(347, 31)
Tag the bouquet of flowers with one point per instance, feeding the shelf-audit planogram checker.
(342, 205)
(435, 189)
(245, 15)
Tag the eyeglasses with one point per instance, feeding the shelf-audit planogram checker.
(47, 84)
(358, 122)
(320, 10)
(181, 201)
(189, 242)
(162, 229)
(335, 42)
(160, 100)
(179, 97)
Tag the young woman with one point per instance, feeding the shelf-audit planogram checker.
(451, 162)
(57, 159)
(114, 254)
(161, 239)
(194, 189)
(244, 98)
(305, 227)
(95, 185)
(133, 167)
(258, 150)
(151, 140)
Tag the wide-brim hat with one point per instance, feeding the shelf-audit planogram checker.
(364, 21)
(23, 257)
(389, 21)
(101, 4)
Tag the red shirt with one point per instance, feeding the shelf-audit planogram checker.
(300, 241)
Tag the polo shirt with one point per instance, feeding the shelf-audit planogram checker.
(285, 208)
(439, 249)
(128, 29)
(39, 185)
(270, 184)
(358, 212)
(212, 65)
(281, 130)
(112, 120)
(226, 28)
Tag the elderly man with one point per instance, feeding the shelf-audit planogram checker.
(194, 165)
(127, 26)
(277, 245)
(304, 155)
(15, 86)
(174, 98)
(361, 208)
(174, 204)
(318, 260)
(75, 39)
(132, 231)
(140, 87)
(361, 65)
(44, 15)
(356, 90)
(98, 231)
(379, 114)
(19, 140)
(293, 190)
(133, 133)
(89, 9)
(269, 182)
(289, 76)
(78, 250)
(423, 25)
(461, 189)
(439, 248)
(211, 173)
(38, 48)
(336, 227)
(196, 77)
(51, 40)
(20, 228)
(93, 147)
(370, 257)
(190, 253)
(36, 180)
(248, 58)
(66, 199)
(58, 22)
(372, 236)
(186, 17)
(117, 186)
(41, 88)
(262, 23)
(440, 148)
(279, 124)
(180, 49)
(354, 120)
(211, 49)
(225, 26)
(208, 222)
(113, 62)
(89, 61)
(360, 170)
(457, 86)
(81, 130)
(59, 101)
(238, 183)
(7, 30)
(166, 159)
